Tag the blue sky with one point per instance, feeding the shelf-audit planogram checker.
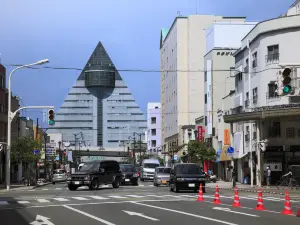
(67, 32)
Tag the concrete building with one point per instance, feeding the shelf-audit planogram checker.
(100, 107)
(182, 49)
(294, 9)
(258, 113)
(154, 128)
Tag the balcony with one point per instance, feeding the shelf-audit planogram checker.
(272, 58)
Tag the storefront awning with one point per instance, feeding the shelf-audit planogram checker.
(223, 156)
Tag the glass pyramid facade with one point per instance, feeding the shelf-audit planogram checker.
(100, 106)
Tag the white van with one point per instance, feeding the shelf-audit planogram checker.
(148, 169)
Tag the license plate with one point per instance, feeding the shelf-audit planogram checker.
(127, 180)
(77, 182)
(191, 185)
(163, 181)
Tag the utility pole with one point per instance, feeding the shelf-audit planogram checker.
(36, 138)
(45, 146)
(134, 150)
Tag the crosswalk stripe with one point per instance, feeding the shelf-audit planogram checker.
(23, 202)
(97, 197)
(116, 196)
(61, 199)
(3, 202)
(135, 196)
(80, 198)
(42, 200)
(141, 185)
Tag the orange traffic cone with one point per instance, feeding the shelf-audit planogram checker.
(200, 194)
(298, 213)
(236, 201)
(260, 202)
(287, 205)
(217, 196)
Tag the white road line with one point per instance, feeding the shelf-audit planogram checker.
(3, 203)
(43, 200)
(58, 188)
(97, 197)
(31, 190)
(135, 196)
(80, 198)
(236, 212)
(156, 196)
(89, 215)
(116, 196)
(45, 189)
(172, 196)
(23, 202)
(61, 199)
(185, 213)
(141, 185)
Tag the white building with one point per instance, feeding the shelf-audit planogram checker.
(182, 48)
(273, 118)
(154, 127)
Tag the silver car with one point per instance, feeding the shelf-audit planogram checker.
(59, 175)
(161, 176)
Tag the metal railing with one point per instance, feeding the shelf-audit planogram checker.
(272, 96)
(272, 58)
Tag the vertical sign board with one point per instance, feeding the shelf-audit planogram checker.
(200, 133)
(226, 137)
(209, 96)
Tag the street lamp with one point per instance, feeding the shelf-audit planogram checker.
(10, 118)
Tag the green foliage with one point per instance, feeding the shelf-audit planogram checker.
(22, 150)
(200, 151)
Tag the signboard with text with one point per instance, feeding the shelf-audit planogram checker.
(226, 137)
(200, 134)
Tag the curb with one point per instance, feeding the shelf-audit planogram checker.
(249, 190)
(25, 188)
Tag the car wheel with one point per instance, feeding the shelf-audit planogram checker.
(171, 189)
(176, 189)
(136, 183)
(94, 185)
(72, 187)
(53, 183)
(116, 183)
(142, 179)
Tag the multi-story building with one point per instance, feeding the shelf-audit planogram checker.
(182, 49)
(100, 106)
(222, 40)
(294, 9)
(259, 113)
(154, 127)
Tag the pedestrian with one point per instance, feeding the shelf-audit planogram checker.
(268, 175)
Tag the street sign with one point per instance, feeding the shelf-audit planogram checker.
(42, 220)
(35, 152)
(230, 150)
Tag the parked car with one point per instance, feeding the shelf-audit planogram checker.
(96, 173)
(59, 175)
(161, 176)
(187, 176)
(148, 169)
(129, 174)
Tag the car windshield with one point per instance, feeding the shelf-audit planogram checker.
(89, 167)
(127, 168)
(151, 165)
(188, 169)
(163, 170)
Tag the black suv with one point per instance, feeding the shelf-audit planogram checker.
(187, 176)
(95, 173)
(129, 174)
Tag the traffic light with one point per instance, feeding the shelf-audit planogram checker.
(51, 117)
(284, 82)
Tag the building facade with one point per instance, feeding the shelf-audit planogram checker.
(154, 128)
(182, 50)
(100, 106)
(259, 113)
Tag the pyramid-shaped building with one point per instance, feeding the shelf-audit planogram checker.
(100, 106)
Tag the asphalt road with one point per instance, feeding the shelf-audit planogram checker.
(54, 204)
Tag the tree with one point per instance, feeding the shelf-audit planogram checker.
(200, 151)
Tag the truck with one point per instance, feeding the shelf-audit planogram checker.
(148, 169)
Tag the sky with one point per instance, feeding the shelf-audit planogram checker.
(66, 32)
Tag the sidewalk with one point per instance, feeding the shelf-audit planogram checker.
(20, 187)
(247, 188)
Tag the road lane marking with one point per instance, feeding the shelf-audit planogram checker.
(43, 200)
(135, 196)
(236, 212)
(80, 198)
(185, 213)
(61, 199)
(23, 202)
(89, 215)
(3, 203)
(45, 189)
(97, 197)
(140, 215)
(58, 188)
(116, 196)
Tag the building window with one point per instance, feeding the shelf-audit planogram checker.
(254, 60)
(2, 85)
(290, 132)
(205, 98)
(272, 91)
(205, 76)
(254, 131)
(153, 143)
(273, 54)
(254, 95)
(246, 69)
(274, 129)
(153, 132)
(205, 120)
(153, 120)
(247, 135)
(247, 100)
